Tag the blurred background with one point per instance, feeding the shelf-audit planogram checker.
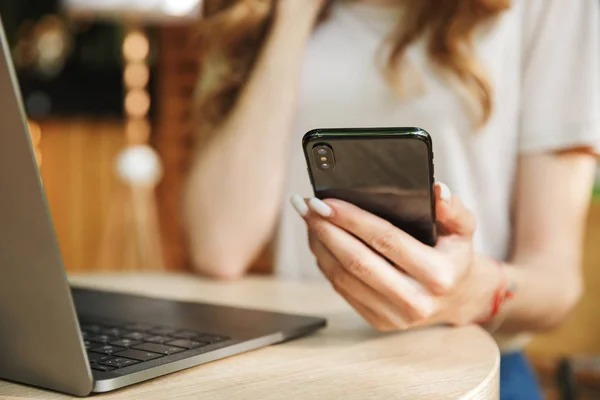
(108, 87)
(98, 77)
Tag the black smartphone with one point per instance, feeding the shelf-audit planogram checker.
(386, 171)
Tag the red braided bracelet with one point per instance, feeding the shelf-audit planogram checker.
(504, 293)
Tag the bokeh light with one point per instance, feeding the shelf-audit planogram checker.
(138, 131)
(136, 75)
(137, 103)
(136, 46)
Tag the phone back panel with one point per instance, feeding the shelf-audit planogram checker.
(388, 172)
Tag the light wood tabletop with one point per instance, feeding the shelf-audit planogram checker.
(347, 360)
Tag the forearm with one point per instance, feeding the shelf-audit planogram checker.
(552, 201)
(235, 184)
(545, 291)
(544, 297)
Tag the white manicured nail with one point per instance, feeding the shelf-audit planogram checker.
(299, 204)
(320, 208)
(445, 192)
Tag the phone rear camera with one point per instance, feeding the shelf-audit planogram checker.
(323, 157)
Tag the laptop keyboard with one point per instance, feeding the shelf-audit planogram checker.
(111, 345)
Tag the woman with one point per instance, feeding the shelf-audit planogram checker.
(509, 92)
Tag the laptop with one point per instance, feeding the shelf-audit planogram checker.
(81, 341)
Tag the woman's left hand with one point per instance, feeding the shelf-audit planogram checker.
(419, 285)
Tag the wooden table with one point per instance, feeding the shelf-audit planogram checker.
(347, 360)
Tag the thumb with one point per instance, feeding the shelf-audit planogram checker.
(452, 216)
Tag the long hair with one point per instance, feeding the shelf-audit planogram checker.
(232, 33)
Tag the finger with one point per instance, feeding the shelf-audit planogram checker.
(453, 217)
(299, 204)
(420, 261)
(368, 315)
(376, 309)
(370, 268)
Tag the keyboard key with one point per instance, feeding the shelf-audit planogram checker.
(113, 332)
(102, 338)
(91, 328)
(138, 355)
(140, 326)
(159, 348)
(108, 323)
(95, 357)
(103, 368)
(119, 362)
(89, 344)
(125, 342)
(136, 335)
(185, 335)
(163, 331)
(158, 339)
(187, 344)
(205, 337)
(107, 349)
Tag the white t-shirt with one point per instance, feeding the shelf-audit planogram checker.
(543, 59)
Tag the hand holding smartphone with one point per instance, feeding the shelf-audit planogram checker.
(386, 171)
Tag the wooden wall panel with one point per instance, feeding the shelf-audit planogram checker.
(177, 72)
(77, 171)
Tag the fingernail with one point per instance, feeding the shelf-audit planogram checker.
(299, 205)
(320, 208)
(445, 192)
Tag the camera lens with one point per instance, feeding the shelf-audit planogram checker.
(324, 157)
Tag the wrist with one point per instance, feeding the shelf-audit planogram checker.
(503, 291)
(487, 281)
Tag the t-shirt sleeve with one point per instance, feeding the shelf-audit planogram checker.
(560, 102)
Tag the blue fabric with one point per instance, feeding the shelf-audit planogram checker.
(517, 379)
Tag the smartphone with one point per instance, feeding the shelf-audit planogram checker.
(388, 172)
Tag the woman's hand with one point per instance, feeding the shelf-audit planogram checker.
(419, 285)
